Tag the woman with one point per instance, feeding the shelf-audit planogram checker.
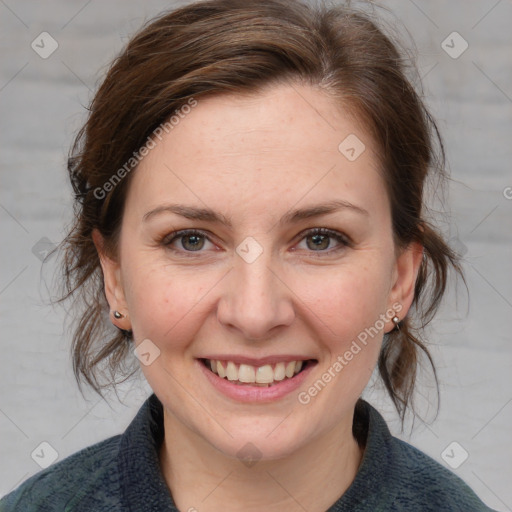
(249, 210)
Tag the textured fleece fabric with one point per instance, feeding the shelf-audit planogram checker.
(122, 474)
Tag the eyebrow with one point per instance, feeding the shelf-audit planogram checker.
(189, 212)
(208, 215)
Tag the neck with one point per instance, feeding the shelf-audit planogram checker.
(312, 478)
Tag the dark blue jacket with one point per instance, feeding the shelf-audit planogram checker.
(122, 474)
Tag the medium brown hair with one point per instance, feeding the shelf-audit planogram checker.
(235, 46)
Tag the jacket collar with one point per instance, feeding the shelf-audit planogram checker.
(143, 486)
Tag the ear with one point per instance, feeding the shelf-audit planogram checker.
(114, 290)
(407, 266)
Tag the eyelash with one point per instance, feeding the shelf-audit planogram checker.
(342, 239)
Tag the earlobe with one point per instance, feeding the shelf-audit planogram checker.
(113, 284)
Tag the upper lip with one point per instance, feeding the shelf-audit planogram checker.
(260, 361)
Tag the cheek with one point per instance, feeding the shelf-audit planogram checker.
(165, 303)
(347, 315)
(347, 301)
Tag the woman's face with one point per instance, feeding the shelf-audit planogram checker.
(290, 258)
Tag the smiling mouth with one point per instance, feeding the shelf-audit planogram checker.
(262, 376)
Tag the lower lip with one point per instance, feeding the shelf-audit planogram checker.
(248, 393)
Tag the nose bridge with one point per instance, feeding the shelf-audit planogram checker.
(255, 301)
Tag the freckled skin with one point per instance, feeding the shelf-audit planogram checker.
(253, 158)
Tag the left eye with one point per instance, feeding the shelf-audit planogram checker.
(321, 239)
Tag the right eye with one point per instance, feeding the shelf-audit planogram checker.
(187, 240)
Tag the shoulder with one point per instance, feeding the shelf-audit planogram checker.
(396, 476)
(422, 480)
(79, 482)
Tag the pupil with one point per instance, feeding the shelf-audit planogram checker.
(319, 241)
(192, 242)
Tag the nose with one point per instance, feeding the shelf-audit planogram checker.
(255, 300)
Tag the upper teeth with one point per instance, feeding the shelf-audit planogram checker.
(265, 374)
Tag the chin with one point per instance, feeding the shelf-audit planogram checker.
(270, 439)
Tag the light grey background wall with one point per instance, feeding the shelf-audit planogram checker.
(42, 98)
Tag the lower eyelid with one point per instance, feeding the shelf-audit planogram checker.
(341, 245)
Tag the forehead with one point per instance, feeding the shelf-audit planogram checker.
(285, 144)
